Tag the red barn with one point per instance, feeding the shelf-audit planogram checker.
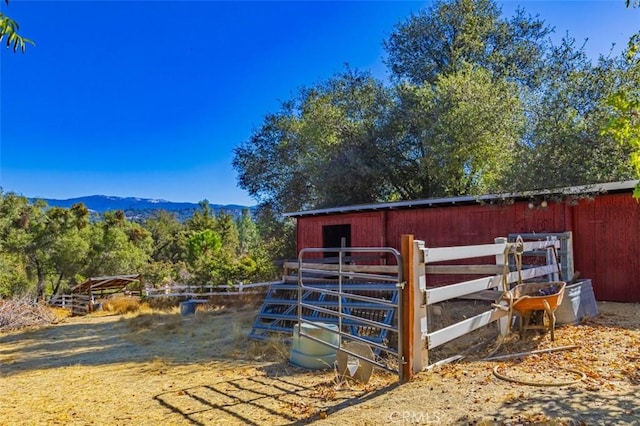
(604, 221)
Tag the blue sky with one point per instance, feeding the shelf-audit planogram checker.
(149, 98)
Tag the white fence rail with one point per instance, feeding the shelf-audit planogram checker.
(61, 301)
(491, 284)
(197, 291)
(79, 304)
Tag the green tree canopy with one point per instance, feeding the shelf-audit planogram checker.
(456, 138)
(45, 250)
(624, 107)
(320, 148)
(478, 104)
(117, 246)
(452, 33)
(563, 145)
(9, 33)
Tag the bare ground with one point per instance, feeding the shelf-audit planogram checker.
(161, 368)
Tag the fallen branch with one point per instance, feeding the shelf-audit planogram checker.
(444, 361)
(23, 312)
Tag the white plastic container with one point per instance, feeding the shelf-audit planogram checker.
(310, 354)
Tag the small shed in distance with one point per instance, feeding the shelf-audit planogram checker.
(103, 286)
(84, 296)
(604, 220)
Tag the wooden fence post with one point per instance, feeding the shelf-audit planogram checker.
(407, 302)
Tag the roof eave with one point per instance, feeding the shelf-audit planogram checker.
(573, 190)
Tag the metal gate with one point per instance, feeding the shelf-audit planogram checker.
(360, 291)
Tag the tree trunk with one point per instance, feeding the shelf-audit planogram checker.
(40, 286)
(57, 286)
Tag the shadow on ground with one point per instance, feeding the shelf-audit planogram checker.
(260, 400)
(114, 339)
(575, 407)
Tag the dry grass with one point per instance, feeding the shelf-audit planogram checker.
(123, 305)
(273, 350)
(60, 313)
(157, 367)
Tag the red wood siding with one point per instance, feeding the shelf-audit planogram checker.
(477, 224)
(607, 246)
(606, 233)
(367, 229)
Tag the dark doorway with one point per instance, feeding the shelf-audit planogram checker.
(336, 236)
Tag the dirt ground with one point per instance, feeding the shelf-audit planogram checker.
(154, 368)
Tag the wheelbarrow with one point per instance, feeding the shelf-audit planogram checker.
(527, 298)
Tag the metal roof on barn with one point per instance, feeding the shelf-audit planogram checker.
(115, 282)
(470, 199)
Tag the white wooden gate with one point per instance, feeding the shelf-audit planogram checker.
(433, 261)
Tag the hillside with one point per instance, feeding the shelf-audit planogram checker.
(141, 208)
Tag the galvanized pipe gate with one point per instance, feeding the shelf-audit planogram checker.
(361, 314)
(354, 286)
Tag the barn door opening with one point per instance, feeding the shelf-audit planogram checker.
(336, 236)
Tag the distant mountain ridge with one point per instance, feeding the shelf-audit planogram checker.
(140, 208)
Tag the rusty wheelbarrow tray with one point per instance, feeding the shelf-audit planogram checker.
(527, 298)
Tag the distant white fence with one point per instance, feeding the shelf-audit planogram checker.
(198, 291)
(82, 304)
(79, 304)
(61, 300)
